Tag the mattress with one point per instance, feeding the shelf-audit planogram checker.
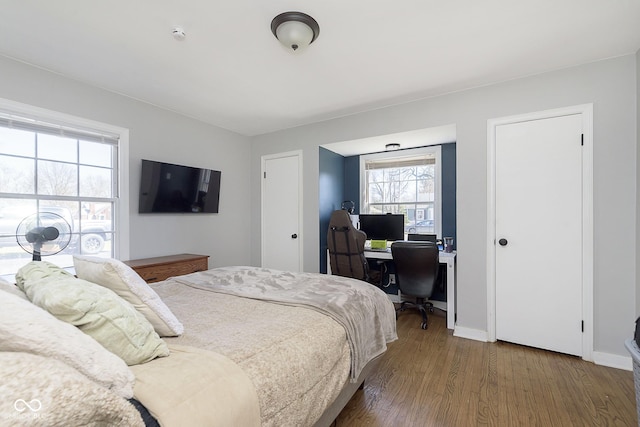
(298, 359)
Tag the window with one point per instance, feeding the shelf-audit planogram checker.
(59, 170)
(404, 182)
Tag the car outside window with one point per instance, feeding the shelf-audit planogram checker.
(56, 171)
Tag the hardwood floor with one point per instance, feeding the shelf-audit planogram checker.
(431, 378)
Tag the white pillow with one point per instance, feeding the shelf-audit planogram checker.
(95, 310)
(124, 281)
(25, 327)
(12, 289)
(38, 391)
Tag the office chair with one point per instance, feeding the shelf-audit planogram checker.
(416, 272)
(442, 268)
(346, 247)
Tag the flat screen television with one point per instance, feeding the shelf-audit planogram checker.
(169, 188)
(382, 226)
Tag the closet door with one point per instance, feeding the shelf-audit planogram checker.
(282, 211)
(539, 233)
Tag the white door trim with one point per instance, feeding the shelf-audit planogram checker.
(586, 110)
(263, 244)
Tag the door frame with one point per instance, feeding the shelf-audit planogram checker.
(263, 243)
(586, 110)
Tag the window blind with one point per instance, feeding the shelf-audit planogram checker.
(399, 162)
(33, 125)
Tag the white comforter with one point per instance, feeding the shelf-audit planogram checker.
(365, 312)
(297, 358)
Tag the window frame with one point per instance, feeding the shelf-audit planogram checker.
(121, 200)
(435, 150)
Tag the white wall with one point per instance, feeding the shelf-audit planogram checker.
(228, 237)
(610, 85)
(158, 135)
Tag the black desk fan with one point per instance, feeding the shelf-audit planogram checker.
(42, 234)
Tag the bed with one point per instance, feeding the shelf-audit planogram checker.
(256, 346)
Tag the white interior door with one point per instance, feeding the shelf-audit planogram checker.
(281, 212)
(538, 253)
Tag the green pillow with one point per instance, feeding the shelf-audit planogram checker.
(96, 310)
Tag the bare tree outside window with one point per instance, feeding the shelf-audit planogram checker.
(71, 177)
(402, 185)
(57, 179)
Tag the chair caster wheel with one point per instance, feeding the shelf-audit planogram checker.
(423, 325)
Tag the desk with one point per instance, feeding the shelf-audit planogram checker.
(448, 258)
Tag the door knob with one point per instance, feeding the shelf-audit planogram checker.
(503, 242)
(294, 236)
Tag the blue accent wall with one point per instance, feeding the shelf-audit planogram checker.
(352, 181)
(330, 194)
(448, 160)
(340, 181)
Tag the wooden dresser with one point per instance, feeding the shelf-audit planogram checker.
(161, 268)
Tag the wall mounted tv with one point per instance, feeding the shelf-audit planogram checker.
(169, 188)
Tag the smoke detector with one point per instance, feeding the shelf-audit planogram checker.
(178, 33)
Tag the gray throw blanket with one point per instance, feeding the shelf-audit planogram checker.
(366, 313)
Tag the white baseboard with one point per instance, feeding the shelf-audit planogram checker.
(472, 334)
(599, 358)
(613, 360)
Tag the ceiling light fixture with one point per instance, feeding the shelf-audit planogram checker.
(295, 30)
(393, 146)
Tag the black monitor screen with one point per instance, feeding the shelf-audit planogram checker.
(165, 187)
(383, 226)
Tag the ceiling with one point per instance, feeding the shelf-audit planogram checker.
(410, 139)
(231, 72)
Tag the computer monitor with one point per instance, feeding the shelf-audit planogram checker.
(422, 237)
(383, 226)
